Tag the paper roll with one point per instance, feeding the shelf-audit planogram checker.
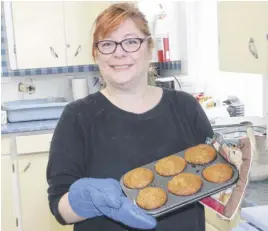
(79, 88)
(3, 117)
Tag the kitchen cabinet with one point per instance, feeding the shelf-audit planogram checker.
(5, 146)
(243, 36)
(34, 208)
(78, 21)
(24, 199)
(38, 34)
(51, 34)
(8, 210)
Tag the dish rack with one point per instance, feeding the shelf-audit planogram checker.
(259, 167)
(34, 109)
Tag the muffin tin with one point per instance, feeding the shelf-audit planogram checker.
(174, 202)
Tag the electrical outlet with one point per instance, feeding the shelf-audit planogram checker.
(21, 87)
(26, 88)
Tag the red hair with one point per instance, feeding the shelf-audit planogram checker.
(111, 18)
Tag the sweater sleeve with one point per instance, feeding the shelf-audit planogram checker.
(66, 159)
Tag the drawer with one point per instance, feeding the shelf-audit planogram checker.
(5, 146)
(33, 143)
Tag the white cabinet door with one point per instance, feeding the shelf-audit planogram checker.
(79, 17)
(243, 36)
(5, 146)
(39, 34)
(8, 215)
(35, 213)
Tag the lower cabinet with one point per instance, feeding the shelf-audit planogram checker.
(8, 211)
(24, 199)
(34, 208)
(35, 212)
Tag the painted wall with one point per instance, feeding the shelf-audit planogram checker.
(203, 70)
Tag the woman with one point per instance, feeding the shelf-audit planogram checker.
(124, 126)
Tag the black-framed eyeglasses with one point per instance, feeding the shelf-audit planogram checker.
(128, 45)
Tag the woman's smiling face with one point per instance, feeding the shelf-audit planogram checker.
(121, 67)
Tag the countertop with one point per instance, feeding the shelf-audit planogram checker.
(222, 121)
(51, 124)
(30, 126)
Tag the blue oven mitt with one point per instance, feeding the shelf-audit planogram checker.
(91, 197)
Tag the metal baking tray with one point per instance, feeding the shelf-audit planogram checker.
(174, 202)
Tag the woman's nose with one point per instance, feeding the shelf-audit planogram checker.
(119, 52)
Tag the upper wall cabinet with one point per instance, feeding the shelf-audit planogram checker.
(38, 34)
(51, 34)
(243, 36)
(78, 22)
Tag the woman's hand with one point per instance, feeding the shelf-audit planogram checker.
(91, 197)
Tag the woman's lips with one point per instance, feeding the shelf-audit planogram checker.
(121, 67)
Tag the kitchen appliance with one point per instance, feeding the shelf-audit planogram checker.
(235, 106)
(166, 82)
(175, 82)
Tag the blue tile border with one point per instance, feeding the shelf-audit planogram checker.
(6, 72)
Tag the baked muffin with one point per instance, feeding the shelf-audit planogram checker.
(170, 165)
(138, 178)
(200, 154)
(151, 198)
(218, 173)
(185, 184)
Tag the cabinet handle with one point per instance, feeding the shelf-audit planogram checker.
(252, 48)
(27, 166)
(53, 52)
(77, 50)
